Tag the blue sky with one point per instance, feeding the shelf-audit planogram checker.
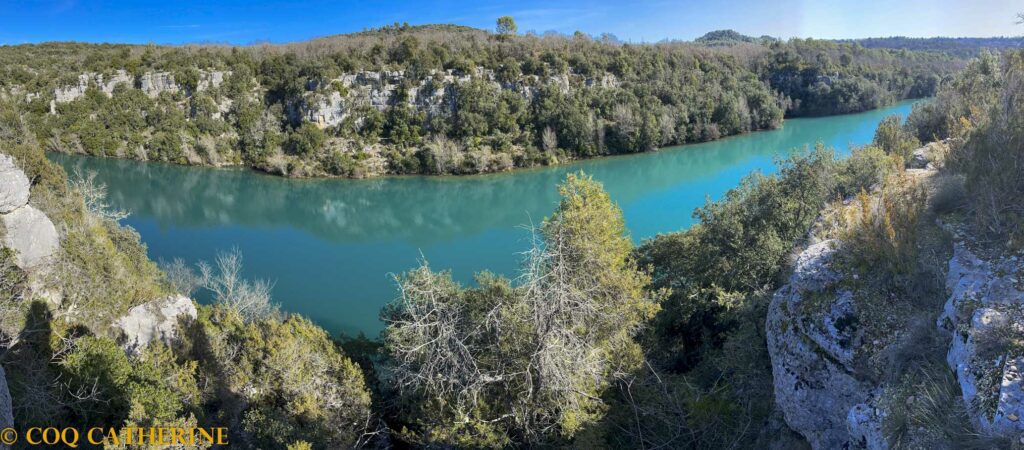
(242, 22)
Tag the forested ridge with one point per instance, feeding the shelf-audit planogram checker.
(956, 46)
(440, 99)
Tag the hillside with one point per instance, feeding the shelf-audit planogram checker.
(438, 99)
(962, 47)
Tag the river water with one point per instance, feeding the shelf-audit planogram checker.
(331, 247)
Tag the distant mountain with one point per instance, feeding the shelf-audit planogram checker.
(731, 37)
(725, 35)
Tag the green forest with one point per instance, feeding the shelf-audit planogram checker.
(441, 99)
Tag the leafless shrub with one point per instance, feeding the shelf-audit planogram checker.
(95, 196)
(431, 346)
(532, 359)
(224, 281)
(561, 296)
(179, 276)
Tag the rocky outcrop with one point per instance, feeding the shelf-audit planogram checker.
(211, 79)
(158, 319)
(929, 156)
(6, 413)
(14, 185)
(812, 333)
(103, 83)
(919, 159)
(984, 312)
(26, 229)
(152, 83)
(329, 102)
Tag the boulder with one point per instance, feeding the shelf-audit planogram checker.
(919, 159)
(811, 344)
(157, 319)
(14, 185)
(32, 235)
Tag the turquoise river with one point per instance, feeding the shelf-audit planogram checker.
(331, 247)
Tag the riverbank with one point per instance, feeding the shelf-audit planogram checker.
(444, 101)
(374, 165)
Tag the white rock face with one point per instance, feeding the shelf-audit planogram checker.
(211, 80)
(14, 185)
(32, 234)
(6, 414)
(28, 231)
(152, 83)
(325, 106)
(326, 110)
(106, 85)
(434, 94)
(811, 348)
(154, 320)
(986, 296)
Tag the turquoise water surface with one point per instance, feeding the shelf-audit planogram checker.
(331, 247)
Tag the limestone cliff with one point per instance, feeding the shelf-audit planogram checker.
(841, 337)
(151, 83)
(328, 102)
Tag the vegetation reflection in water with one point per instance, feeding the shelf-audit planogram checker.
(329, 246)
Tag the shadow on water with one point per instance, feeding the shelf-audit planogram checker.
(329, 245)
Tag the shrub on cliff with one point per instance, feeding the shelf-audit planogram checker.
(892, 137)
(274, 382)
(500, 365)
(992, 158)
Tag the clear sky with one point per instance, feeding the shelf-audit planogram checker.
(248, 21)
